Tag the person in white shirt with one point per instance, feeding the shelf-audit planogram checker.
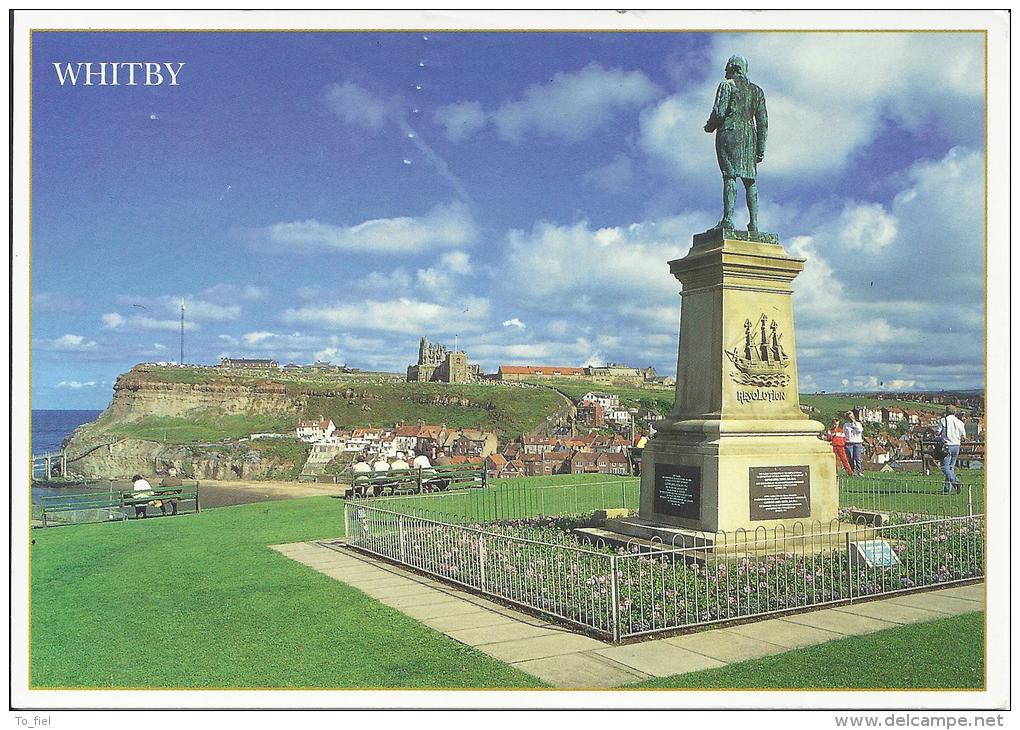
(422, 462)
(951, 431)
(142, 488)
(399, 462)
(359, 471)
(853, 430)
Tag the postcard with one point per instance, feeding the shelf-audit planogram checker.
(461, 359)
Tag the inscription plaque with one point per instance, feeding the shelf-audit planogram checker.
(678, 491)
(876, 553)
(779, 492)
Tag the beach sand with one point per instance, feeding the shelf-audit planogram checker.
(224, 493)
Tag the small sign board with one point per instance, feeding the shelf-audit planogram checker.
(779, 492)
(876, 553)
(678, 491)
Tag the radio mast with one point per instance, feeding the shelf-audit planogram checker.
(182, 333)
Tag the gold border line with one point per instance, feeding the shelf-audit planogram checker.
(32, 31)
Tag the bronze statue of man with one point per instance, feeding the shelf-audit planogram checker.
(741, 126)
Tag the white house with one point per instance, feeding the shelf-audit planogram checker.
(871, 415)
(313, 431)
(608, 401)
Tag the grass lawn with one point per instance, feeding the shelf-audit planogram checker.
(200, 601)
(913, 492)
(527, 497)
(943, 654)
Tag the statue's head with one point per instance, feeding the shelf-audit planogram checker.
(736, 66)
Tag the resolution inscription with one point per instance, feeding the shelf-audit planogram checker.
(779, 492)
(678, 491)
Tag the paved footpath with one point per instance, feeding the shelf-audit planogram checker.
(563, 658)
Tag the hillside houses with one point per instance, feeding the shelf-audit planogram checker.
(432, 441)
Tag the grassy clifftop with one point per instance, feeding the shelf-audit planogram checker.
(235, 404)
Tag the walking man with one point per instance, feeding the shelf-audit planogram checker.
(951, 431)
(741, 127)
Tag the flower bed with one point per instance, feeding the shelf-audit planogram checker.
(538, 563)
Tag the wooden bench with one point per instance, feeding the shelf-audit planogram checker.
(111, 505)
(165, 495)
(415, 481)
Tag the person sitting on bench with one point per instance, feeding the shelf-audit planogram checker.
(170, 481)
(142, 488)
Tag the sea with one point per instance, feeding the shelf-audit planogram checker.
(49, 429)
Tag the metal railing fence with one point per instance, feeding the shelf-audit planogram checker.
(520, 499)
(637, 591)
(918, 494)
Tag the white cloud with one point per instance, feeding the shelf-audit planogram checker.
(434, 280)
(440, 279)
(112, 321)
(456, 261)
(76, 385)
(572, 106)
(460, 120)
(379, 282)
(67, 343)
(828, 96)
(614, 177)
(444, 226)
(893, 298)
(404, 315)
(558, 327)
(232, 292)
(327, 354)
(199, 309)
(515, 322)
(264, 340)
(583, 269)
(115, 321)
(359, 107)
(866, 227)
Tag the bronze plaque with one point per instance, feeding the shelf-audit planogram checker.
(678, 491)
(779, 492)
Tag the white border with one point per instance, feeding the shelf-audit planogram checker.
(997, 25)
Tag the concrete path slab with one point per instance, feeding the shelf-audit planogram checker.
(839, 622)
(726, 646)
(972, 592)
(447, 607)
(581, 671)
(510, 631)
(472, 620)
(936, 602)
(541, 647)
(784, 633)
(659, 658)
(562, 658)
(895, 613)
(420, 596)
(400, 590)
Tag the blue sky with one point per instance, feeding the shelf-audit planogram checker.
(309, 201)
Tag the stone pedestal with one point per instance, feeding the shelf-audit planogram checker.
(737, 451)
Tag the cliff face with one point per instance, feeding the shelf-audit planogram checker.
(106, 448)
(134, 398)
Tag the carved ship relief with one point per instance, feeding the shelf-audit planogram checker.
(761, 360)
